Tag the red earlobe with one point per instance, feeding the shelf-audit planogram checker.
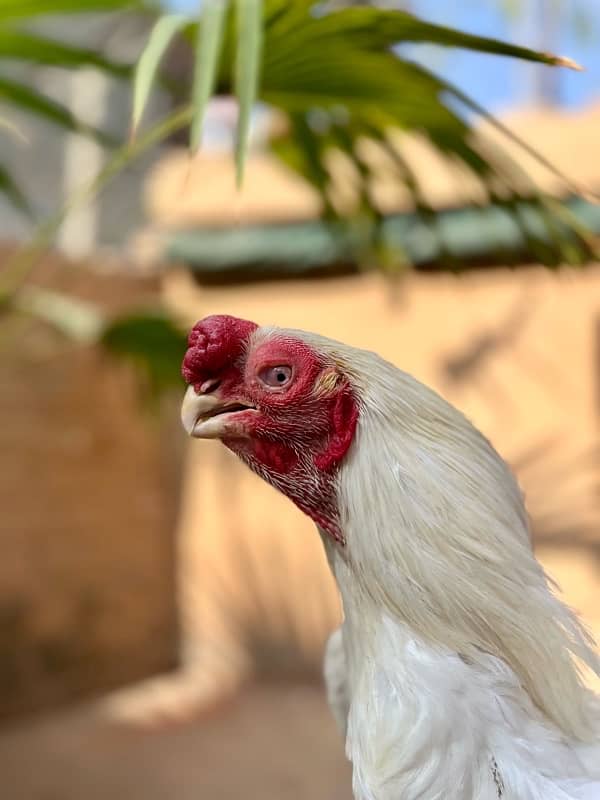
(343, 416)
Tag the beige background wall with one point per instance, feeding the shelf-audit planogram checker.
(91, 571)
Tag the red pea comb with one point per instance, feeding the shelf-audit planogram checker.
(213, 344)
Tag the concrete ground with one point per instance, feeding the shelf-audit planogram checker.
(270, 742)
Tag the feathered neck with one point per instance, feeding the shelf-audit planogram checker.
(437, 536)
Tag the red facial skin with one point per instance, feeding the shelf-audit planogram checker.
(302, 430)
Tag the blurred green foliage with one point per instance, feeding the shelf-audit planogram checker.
(338, 78)
(152, 344)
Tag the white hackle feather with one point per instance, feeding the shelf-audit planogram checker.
(457, 672)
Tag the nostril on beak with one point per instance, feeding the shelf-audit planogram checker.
(210, 386)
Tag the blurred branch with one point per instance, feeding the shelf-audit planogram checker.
(82, 322)
(25, 260)
(149, 340)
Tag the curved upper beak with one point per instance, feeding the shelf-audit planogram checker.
(207, 416)
(195, 407)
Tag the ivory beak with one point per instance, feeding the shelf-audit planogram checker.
(206, 416)
(195, 406)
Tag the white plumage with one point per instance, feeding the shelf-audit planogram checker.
(452, 676)
(456, 672)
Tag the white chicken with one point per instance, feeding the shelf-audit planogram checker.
(456, 672)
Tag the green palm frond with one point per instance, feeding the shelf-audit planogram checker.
(340, 78)
(146, 70)
(27, 9)
(208, 49)
(20, 45)
(19, 95)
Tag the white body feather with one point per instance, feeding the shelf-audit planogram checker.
(453, 675)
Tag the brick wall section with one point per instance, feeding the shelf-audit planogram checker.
(88, 499)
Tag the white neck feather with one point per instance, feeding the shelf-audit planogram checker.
(438, 539)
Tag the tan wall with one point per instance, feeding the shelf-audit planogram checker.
(88, 501)
(517, 351)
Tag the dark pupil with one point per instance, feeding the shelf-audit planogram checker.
(281, 376)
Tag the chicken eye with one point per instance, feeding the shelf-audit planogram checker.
(275, 376)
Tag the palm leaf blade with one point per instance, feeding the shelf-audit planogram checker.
(209, 40)
(26, 46)
(377, 29)
(25, 9)
(147, 67)
(247, 71)
(29, 100)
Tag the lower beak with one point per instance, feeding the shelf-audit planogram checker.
(206, 416)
